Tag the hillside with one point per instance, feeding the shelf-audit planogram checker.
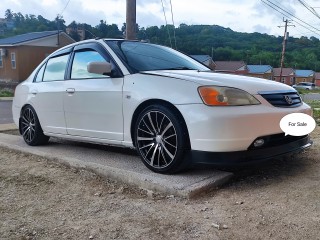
(221, 43)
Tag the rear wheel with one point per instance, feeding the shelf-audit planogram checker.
(161, 139)
(30, 128)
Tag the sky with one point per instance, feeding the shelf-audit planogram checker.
(239, 15)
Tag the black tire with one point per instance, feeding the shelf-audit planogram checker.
(161, 139)
(30, 127)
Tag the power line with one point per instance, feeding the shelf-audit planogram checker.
(174, 28)
(286, 15)
(65, 7)
(165, 17)
(293, 15)
(311, 9)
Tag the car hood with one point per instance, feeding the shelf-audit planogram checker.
(250, 84)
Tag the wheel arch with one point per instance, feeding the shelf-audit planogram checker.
(149, 102)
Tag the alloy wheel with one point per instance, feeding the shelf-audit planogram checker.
(28, 125)
(157, 139)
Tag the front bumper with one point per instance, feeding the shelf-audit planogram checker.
(249, 156)
(233, 129)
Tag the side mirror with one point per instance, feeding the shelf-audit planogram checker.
(102, 68)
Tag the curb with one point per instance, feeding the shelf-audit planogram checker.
(6, 98)
(8, 126)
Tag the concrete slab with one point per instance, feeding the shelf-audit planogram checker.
(121, 164)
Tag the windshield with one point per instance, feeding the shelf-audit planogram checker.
(138, 56)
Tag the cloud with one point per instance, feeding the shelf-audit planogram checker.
(261, 29)
(241, 15)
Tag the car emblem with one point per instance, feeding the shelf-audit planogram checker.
(288, 99)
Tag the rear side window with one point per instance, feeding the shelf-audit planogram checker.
(56, 68)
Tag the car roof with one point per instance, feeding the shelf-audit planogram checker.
(305, 83)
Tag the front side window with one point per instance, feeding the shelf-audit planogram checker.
(80, 62)
(56, 68)
(13, 60)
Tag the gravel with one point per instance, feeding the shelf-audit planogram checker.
(40, 199)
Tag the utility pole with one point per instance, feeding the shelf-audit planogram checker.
(58, 26)
(284, 44)
(131, 20)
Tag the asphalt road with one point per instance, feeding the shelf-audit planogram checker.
(5, 112)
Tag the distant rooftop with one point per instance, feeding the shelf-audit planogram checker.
(317, 75)
(256, 69)
(18, 39)
(201, 58)
(285, 72)
(229, 65)
(304, 73)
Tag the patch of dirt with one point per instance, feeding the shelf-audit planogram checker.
(40, 199)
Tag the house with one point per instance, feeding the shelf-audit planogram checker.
(317, 79)
(234, 67)
(260, 71)
(76, 30)
(21, 54)
(287, 76)
(205, 59)
(304, 76)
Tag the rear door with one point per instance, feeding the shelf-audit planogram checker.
(47, 92)
(92, 102)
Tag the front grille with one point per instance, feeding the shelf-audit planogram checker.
(282, 99)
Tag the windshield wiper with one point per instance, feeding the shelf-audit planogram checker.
(180, 68)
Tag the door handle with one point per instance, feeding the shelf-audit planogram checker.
(34, 92)
(70, 90)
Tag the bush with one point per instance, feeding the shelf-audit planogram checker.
(5, 92)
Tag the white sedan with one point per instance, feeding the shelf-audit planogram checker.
(168, 106)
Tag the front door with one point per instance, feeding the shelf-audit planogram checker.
(92, 102)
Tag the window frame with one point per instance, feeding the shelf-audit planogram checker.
(13, 60)
(64, 51)
(1, 59)
(44, 65)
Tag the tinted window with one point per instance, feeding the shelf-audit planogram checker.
(80, 62)
(40, 74)
(139, 56)
(56, 68)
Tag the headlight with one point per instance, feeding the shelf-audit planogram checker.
(226, 96)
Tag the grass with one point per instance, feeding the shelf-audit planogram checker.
(303, 91)
(315, 105)
(6, 93)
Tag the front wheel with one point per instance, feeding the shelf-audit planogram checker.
(161, 139)
(31, 129)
